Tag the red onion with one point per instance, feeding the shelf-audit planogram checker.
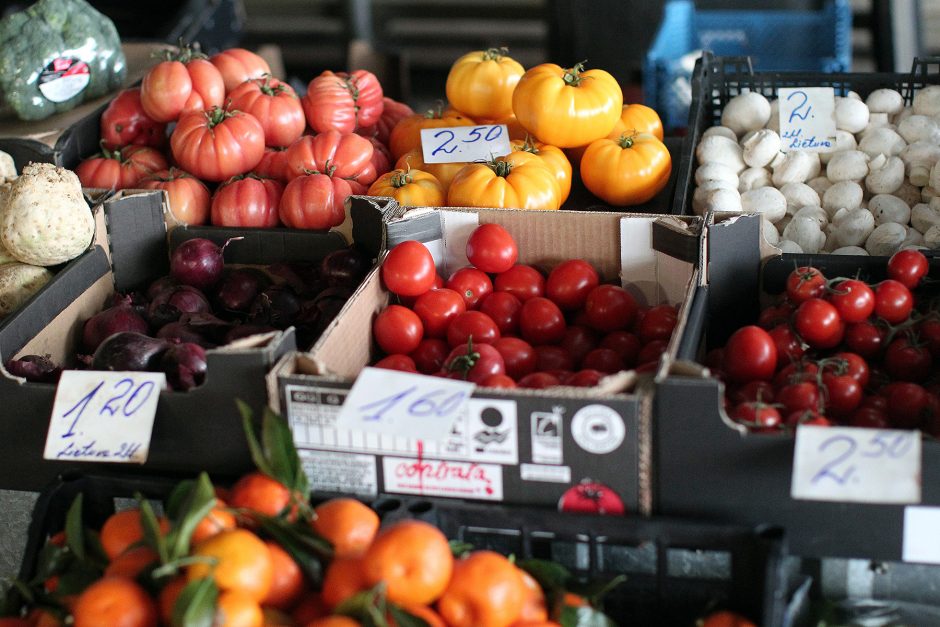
(277, 306)
(344, 267)
(239, 287)
(173, 302)
(121, 317)
(129, 351)
(180, 332)
(34, 368)
(184, 365)
(161, 285)
(198, 262)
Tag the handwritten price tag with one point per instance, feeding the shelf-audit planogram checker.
(458, 144)
(401, 403)
(846, 464)
(920, 535)
(807, 118)
(102, 416)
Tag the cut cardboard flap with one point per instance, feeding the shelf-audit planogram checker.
(138, 253)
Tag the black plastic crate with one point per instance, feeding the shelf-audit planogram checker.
(718, 79)
(676, 570)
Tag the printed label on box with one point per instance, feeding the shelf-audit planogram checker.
(598, 429)
(547, 429)
(491, 433)
(340, 472)
(433, 477)
(552, 474)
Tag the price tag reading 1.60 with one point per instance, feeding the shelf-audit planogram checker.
(847, 464)
(458, 144)
(103, 416)
(404, 404)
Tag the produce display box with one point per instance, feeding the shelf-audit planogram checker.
(676, 571)
(200, 428)
(719, 79)
(515, 446)
(798, 40)
(711, 467)
(64, 139)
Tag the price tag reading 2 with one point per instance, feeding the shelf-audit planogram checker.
(103, 416)
(807, 119)
(846, 464)
(459, 144)
(404, 404)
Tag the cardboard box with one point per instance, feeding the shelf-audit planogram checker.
(515, 446)
(709, 466)
(195, 430)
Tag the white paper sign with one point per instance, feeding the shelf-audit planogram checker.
(921, 541)
(100, 416)
(406, 404)
(847, 464)
(458, 144)
(807, 119)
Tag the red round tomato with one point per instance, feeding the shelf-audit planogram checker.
(585, 378)
(474, 285)
(605, 360)
(541, 321)
(908, 267)
(247, 201)
(750, 355)
(851, 364)
(216, 145)
(651, 353)
(658, 323)
(119, 169)
(908, 361)
(523, 282)
(570, 282)
(804, 283)
(498, 381)
(404, 363)
(843, 394)
(341, 155)
(807, 417)
(408, 269)
(343, 102)
(472, 325)
(799, 396)
(124, 123)
(274, 104)
(518, 355)
(538, 381)
(552, 358)
(796, 372)
(188, 196)
(186, 83)
(753, 391)
(787, 342)
(893, 301)
(818, 323)
(853, 299)
(758, 416)
(492, 249)
(866, 338)
(273, 164)
(579, 340)
(393, 112)
(929, 332)
(626, 344)
(397, 329)
(474, 362)
(869, 418)
(430, 354)
(610, 308)
(316, 201)
(772, 316)
(237, 65)
(504, 309)
(437, 309)
(906, 404)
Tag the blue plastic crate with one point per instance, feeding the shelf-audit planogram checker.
(818, 41)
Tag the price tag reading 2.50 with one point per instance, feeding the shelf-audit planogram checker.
(404, 404)
(102, 416)
(847, 464)
(458, 144)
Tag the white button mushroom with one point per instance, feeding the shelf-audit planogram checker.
(927, 101)
(710, 172)
(924, 216)
(844, 141)
(723, 131)
(746, 112)
(901, 115)
(798, 166)
(844, 194)
(882, 141)
(852, 227)
(760, 147)
(788, 246)
(706, 199)
(934, 179)
(851, 250)
(885, 175)
(851, 114)
(769, 231)
(932, 237)
(885, 101)
(805, 232)
(720, 149)
(820, 184)
(886, 239)
(799, 195)
(849, 165)
(888, 208)
(915, 128)
(813, 213)
(918, 159)
(914, 238)
(752, 178)
(767, 201)
(908, 193)
(774, 122)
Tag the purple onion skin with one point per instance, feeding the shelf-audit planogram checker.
(277, 306)
(184, 365)
(174, 302)
(113, 320)
(197, 262)
(163, 284)
(344, 268)
(34, 368)
(239, 287)
(182, 332)
(129, 351)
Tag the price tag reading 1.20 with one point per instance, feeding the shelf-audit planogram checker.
(847, 464)
(457, 144)
(807, 119)
(103, 416)
(404, 404)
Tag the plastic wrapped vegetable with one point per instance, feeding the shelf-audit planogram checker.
(55, 55)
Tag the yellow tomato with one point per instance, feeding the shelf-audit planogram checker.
(516, 181)
(553, 158)
(627, 171)
(407, 133)
(637, 118)
(411, 188)
(443, 172)
(567, 107)
(480, 83)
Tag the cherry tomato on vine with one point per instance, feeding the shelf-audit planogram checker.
(796, 372)
(492, 249)
(498, 381)
(753, 391)
(843, 393)
(866, 338)
(397, 330)
(538, 381)
(804, 283)
(853, 299)
(570, 282)
(408, 269)
(849, 364)
(906, 360)
(787, 342)
(893, 301)
(474, 362)
(799, 396)
(472, 284)
(818, 322)
(929, 332)
(906, 404)
(908, 267)
(750, 354)
(579, 340)
(759, 416)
